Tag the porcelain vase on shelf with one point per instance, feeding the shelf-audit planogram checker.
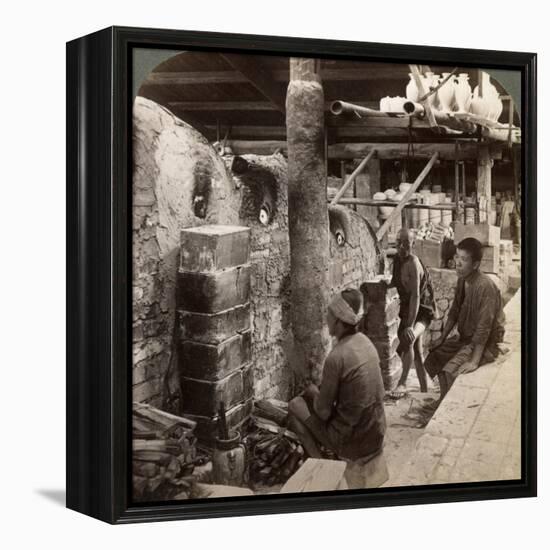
(411, 91)
(490, 105)
(430, 81)
(463, 93)
(480, 106)
(495, 109)
(446, 94)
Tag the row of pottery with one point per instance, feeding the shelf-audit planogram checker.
(456, 95)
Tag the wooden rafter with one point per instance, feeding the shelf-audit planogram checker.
(236, 77)
(243, 105)
(351, 151)
(259, 76)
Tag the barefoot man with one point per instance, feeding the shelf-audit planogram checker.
(477, 312)
(417, 310)
(346, 413)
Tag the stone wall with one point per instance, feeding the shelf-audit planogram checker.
(444, 282)
(178, 181)
(265, 183)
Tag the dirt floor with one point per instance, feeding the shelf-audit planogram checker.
(406, 419)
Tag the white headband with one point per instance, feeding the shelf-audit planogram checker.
(343, 311)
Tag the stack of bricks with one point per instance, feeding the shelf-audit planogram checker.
(380, 325)
(213, 292)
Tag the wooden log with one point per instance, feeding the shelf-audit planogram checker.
(265, 409)
(161, 417)
(155, 445)
(275, 429)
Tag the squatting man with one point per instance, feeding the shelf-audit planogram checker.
(345, 414)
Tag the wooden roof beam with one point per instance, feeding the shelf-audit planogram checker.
(278, 75)
(244, 105)
(260, 77)
(446, 151)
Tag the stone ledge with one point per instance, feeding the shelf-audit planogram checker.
(475, 434)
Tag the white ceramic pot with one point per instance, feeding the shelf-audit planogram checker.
(411, 90)
(480, 106)
(430, 81)
(495, 109)
(404, 187)
(446, 94)
(463, 93)
(385, 104)
(397, 104)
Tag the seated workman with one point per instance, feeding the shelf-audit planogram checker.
(417, 309)
(477, 312)
(346, 413)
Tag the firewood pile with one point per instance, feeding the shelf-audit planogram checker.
(164, 454)
(274, 452)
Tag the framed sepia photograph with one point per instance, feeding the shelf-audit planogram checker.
(301, 274)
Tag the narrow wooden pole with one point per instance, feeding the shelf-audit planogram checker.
(463, 166)
(457, 183)
(352, 177)
(397, 210)
(307, 218)
(484, 164)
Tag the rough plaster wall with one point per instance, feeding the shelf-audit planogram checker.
(270, 275)
(169, 156)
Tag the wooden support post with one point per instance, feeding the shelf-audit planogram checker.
(308, 218)
(463, 167)
(397, 210)
(484, 165)
(457, 185)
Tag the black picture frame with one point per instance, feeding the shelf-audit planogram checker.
(99, 270)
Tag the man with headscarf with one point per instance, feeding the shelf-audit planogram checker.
(345, 414)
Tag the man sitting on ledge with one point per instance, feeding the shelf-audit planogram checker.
(346, 413)
(477, 310)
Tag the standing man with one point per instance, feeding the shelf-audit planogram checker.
(346, 413)
(477, 310)
(416, 312)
